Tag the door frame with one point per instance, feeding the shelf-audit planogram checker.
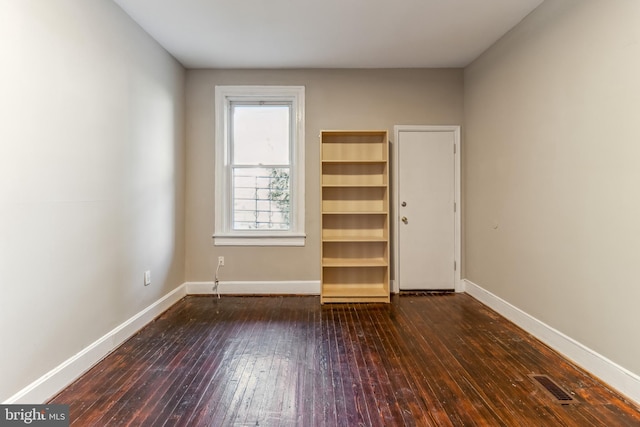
(458, 285)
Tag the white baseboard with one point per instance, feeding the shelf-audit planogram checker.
(64, 374)
(623, 380)
(294, 287)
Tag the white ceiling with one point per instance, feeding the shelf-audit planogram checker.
(326, 33)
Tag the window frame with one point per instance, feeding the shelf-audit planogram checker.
(224, 234)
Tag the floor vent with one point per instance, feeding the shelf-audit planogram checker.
(553, 389)
(430, 292)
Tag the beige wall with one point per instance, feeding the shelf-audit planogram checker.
(335, 99)
(552, 148)
(91, 179)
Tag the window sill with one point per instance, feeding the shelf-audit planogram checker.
(259, 240)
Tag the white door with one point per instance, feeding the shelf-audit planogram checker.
(427, 220)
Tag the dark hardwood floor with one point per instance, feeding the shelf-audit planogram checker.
(423, 360)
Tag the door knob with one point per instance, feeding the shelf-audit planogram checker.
(405, 220)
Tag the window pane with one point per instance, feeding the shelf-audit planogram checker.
(260, 134)
(261, 198)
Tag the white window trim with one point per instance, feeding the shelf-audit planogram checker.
(224, 234)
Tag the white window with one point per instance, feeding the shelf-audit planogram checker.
(259, 165)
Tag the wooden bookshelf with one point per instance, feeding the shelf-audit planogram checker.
(355, 216)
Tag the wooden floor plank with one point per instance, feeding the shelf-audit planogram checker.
(474, 374)
(375, 367)
(399, 389)
(182, 396)
(436, 367)
(329, 394)
(423, 360)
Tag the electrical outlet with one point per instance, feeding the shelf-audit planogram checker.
(221, 261)
(147, 278)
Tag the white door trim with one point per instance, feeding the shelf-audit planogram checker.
(458, 213)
